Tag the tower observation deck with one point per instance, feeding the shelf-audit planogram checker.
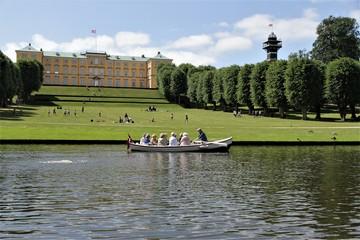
(272, 45)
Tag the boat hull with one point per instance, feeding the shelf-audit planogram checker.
(204, 147)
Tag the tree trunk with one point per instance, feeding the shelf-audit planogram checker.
(318, 112)
(282, 112)
(353, 111)
(251, 108)
(304, 113)
(342, 112)
(214, 105)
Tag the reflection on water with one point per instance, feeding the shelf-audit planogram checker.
(77, 192)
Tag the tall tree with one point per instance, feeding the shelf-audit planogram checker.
(230, 76)
(192, 86)
(207, 78)
(257, 83)
(343, 84)
(303, 83)
(243, 87)
(178, 84)
(275, 86)
(164, 72)
(218, 87)
(31, 77)
(337, 37)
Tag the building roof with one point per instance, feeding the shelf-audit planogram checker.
(29, 48)
(83, 55)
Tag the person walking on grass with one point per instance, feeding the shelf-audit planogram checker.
(186, 119)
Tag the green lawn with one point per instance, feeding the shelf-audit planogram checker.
(34, 122)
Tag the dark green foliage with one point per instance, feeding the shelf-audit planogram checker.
(187, 68)
(164, 72)
(218, 87)
(257, 83)
(343, 84)
(230, 76)
(9, 79)
(243, 87)
(337, 37)
(178, 84)
(192, 86)
(275, 86)
(207, 78)
(31, 76)
(304, 80)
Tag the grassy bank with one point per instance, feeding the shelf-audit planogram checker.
(35, 122)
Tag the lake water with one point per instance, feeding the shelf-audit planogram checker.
(101, 192)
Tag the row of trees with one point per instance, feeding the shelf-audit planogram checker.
(328, 74)
(300, 83)
(18, 79)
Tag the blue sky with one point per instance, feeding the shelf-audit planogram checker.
(216, 32)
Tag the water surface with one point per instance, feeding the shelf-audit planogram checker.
(93, 192)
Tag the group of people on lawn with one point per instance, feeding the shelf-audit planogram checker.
(183, 139)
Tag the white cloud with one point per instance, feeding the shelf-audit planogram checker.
(232, 43)
(223, 24)
(257, 26)
(355, 14)
(124, 39)
(192, 42)
(191, 57)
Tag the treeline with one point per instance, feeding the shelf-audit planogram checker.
(299, 83)
(18, 79)
(329, 74)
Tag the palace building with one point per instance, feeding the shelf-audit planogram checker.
(91, 68)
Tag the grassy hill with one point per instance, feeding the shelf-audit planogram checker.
(103, 108)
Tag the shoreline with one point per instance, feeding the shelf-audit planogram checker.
(235, 143)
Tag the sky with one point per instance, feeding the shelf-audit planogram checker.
(201, 32)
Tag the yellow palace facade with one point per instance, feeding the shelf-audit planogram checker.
(92, 68)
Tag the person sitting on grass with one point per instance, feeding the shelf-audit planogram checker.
(185, 140)
(163, 140)
(172, 140)
(202, 135)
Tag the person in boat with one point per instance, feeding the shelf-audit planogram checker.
(163, 141)
(172, 140)
(185, 140)
(154, 140)
(145, 140)
(202, 135)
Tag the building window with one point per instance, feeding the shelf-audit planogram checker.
(74, 61)
(82, 70)
(110, 83)
(96, 61)
(82, 61)
(126, 73)
(142, 84)
(65, 80)
(74, 82)
(133, 83)
(133, 74)
(109, 72)
(65, 61)
(56, 79)
(125, 83)
(65, 69)
(117, 83)
(56, 68)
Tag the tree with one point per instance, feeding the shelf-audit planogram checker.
(187, 68)
(303, 83)
(257, 83)
(337, 37)
(343, 84)
(230, 76)
(192, 86)
(243, 87)
(218, 87)
(206, 79)
(31, 76)
(164, 72)
(9, 80)
(275, 86)
(178, 84)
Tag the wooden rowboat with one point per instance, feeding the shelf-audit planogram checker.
(213, 146)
